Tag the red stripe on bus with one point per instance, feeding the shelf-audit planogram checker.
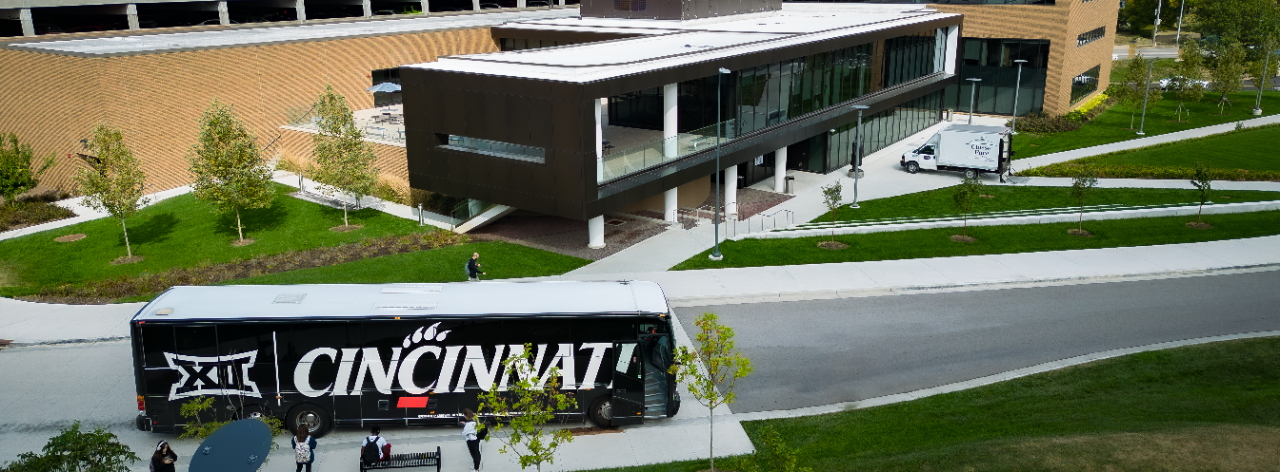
(412, 402)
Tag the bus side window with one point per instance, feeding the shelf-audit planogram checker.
(156, 340)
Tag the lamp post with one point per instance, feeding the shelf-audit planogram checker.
(1017, 87)
(857, 155)
(1266, 71)
(1177, 40)
(1156, 26)
(972, 93)
(1145, 94)
(715, 217)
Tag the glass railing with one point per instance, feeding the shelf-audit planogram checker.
(655, 153)
(498, 149)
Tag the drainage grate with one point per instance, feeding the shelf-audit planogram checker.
(615, 222)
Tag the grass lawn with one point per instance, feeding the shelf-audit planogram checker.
(990, 240)
(181, 232)
(1246, 154)
(499, 260)
(934, 203)
(1207, 407)
(1113, 125)
(1162, 69)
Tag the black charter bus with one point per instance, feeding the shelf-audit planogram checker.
(354, 355)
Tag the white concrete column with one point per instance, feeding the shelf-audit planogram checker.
(426, 7)
(780, 170)
(953, 49)
(301, 7)
(604, 111)
(521, 4)
(669, 204)
(670, 120)
(475, 5)
(595, 232)
(731, 191)
(599, 144)
(368, 8)
(561, 2)
(224, 15)
(28, 25)
(131, 10)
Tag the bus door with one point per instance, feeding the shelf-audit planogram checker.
(628, 383)
(655, 349)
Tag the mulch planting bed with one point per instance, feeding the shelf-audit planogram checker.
(69, 238)
(1199, 225)
(962, 239)
(30, 213)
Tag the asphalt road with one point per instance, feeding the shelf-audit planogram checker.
(821, 352)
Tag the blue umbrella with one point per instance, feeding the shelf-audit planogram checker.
(384, 87)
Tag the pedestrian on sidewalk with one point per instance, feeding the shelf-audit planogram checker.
(304, 447)
(164, 458)
(473, 435)
(373, 447)
(473, 268)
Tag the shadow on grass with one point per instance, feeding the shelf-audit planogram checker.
(252, 219)
(150, 230)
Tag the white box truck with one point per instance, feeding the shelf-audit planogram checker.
(972, 149)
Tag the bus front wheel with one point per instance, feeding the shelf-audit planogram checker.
(315, 418)
(602, 412)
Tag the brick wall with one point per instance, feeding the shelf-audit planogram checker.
(53, 101)
(1060, 24)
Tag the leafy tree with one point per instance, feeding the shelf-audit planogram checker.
(17, 174)
(1141, 14)
(831, 195)
(1226, 71)
(1083, 183)
(197, 427)
(76, 451)
(1134, 91)
(344, 162)
(1243, 21)
(723, 365)
(1187, 86)
(229, 171)
(116, 181)
(965, 198)
(528, 404)
(1203, 180)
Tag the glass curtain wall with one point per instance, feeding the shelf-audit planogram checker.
(907, 58)
(992, 61)
(883, 129)
(774, 93)
(1084, 84)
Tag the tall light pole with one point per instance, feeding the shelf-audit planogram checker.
(1145, 94)
(857, 155)
(972, 93)
(1016, 88)
(715, 217)
(1177, 40)
(1257, 81)
(1156, 26)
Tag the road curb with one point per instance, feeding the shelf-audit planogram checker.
(995, 378)
(685, 302)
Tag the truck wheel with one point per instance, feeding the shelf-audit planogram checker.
(602, 412)
(913, 167)
(313, 416)
(970, 174)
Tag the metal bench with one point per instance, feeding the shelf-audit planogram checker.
(404, 461)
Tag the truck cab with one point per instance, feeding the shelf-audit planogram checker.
(923, 157)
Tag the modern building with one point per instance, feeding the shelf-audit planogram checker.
(1067, 45)
(662, 95)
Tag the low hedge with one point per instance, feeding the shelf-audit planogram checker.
(1069, 169)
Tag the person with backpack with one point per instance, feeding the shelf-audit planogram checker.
(304, 446)
(473, 268)
(371, 449)
(164, 458)
(472, 436)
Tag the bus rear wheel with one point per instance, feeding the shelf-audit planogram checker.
(314, 417)
(601, 412)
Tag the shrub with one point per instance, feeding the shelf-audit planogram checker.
(392, 189)
(1046, 124)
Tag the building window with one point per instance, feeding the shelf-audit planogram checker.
(1084, 84)
(992, 60)
(382, 99)
(1091, 36)
(490, 147)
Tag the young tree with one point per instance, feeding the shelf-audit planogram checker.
(116, 181)
(73, 450)
(1134, 87)
(1203, 180)
(344, 162)
(1082, 185)
(1226, 71)
(965, 198)
(528, 404)
(831, 195)
(229, 171)
(17, 174)
(1187, 86)
(723, 365)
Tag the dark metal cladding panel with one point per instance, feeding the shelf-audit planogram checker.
(454, 108)
(497, 111)
(538, 124)
(568, 126)
(476, 114)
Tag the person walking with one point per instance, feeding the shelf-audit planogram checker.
(472, 434)
(164, 458)
(304, 447)
(371, 448)
(473, 268)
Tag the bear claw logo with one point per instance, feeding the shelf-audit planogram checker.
(216, 375)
